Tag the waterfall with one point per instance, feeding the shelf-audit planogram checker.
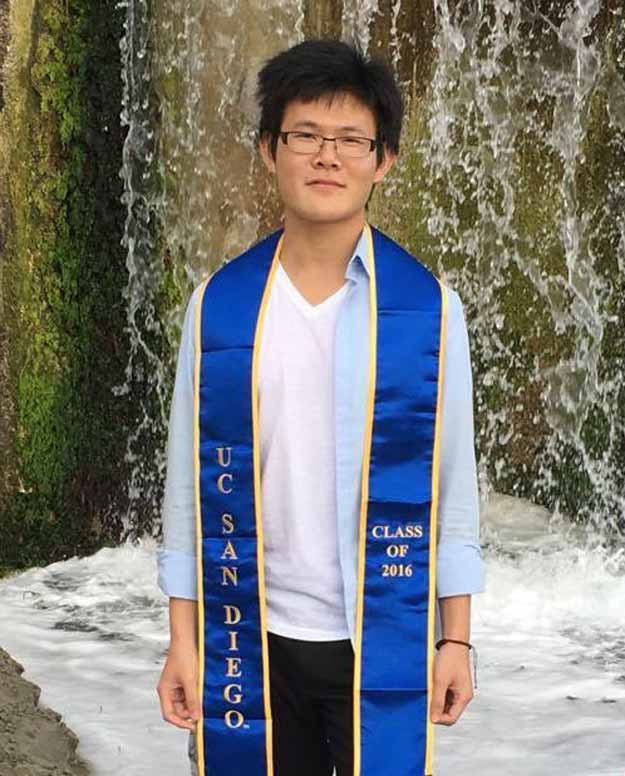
(509, 186)
(189, 166)
(146, 373)
(513, 89)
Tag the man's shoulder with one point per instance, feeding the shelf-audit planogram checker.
(455, 307)
(390, 247)
(231, 272)
(263, 247)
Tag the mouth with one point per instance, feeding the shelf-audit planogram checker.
(325, 184)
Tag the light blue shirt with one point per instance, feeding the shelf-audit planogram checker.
(459, 569)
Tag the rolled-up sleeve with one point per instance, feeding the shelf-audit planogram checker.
(460, 567)
(176, 555)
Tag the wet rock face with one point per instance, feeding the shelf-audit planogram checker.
(33, 739)
(510, 185)
(4, 41)
(62, 273)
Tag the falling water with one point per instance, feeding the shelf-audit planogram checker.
(189, 165)
(146, 371)
(499, 149)
(503, 187)
(356, 21)
(499, 175)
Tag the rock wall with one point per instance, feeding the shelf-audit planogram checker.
(62, 341)
(510, 186)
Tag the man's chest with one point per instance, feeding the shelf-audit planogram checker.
(298, 344)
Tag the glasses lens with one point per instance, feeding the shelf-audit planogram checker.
(303, 142)
(353, 146)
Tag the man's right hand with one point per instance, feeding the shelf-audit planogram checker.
(178, 688)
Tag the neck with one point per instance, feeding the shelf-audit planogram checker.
(312, 248)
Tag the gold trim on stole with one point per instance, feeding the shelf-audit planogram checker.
(373, 335)
(260, 556)
(363, 514)
(199, 727)
(429, 746)
(258, 516)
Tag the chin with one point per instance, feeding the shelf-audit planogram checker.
(325, 215)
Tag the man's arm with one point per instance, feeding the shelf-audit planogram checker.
(460, 568)
(456, 617)
(460, 571)
(183, 624)
(176, 556)
(177, 688)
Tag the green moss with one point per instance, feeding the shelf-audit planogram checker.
(64, 273)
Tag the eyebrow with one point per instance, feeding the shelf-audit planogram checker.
(313, 125)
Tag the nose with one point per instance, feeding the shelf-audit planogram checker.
(327, 153)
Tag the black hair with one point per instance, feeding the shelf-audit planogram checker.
(323, 68)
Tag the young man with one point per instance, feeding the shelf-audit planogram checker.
(321, 505)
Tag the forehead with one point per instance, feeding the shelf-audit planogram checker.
(332, 113)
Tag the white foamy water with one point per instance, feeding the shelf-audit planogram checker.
(550, 633)
(92, 632)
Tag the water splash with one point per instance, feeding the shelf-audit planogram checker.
(547, 631)
(512, 89)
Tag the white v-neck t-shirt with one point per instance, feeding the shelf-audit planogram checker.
(303, 581)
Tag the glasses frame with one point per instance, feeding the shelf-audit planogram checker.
(285, 134)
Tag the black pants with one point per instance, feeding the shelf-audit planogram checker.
(312, 706)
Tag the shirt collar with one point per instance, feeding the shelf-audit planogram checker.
(357, 267)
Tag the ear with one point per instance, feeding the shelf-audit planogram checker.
(385, 166)
(265, 154)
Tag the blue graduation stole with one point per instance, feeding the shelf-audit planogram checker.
(397, 550)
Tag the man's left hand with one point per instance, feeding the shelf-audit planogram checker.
(452, 690)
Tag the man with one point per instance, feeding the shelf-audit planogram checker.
(321, 506)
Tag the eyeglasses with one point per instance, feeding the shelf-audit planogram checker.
(310, 143)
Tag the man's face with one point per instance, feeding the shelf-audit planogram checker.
(296, 173)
